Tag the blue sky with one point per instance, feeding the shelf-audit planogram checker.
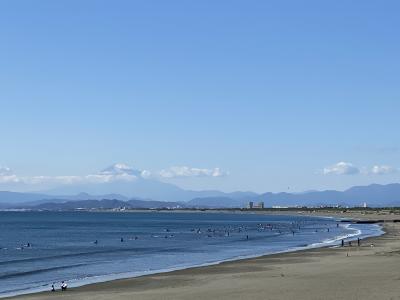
(274, 93)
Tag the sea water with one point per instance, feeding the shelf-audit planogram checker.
(38, 249)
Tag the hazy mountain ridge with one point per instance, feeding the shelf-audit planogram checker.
(99, 204)
(14, 198)
(373, 195)
(118, 181)
(216, 202)
(123, 180)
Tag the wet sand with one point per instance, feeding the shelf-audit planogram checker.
(363, 272)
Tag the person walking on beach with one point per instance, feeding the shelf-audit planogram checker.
(64, 286)
(53, 289)
(342, 243)
(358, 242)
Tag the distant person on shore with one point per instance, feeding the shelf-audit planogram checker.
(64, 286)
(53, 289)
(342, 243)
(358, 242)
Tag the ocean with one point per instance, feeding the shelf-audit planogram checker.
(38, 249)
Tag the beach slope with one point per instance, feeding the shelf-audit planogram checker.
(365, 272)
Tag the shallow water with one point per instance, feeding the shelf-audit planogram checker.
(62, 244)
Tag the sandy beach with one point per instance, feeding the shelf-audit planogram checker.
(365, 272)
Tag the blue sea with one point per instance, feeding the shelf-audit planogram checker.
(38, 249)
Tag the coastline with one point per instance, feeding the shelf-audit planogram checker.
(245, 273)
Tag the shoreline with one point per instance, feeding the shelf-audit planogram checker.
(92, 289)
(127, 276)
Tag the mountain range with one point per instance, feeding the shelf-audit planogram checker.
(101, 204)
(123, 183)
(120, 179)
(374, 195)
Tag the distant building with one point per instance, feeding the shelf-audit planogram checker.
(252, 205)
(259, 205)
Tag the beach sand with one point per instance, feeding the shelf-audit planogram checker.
(327, 273)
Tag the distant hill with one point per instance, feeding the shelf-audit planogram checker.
(154, 204)
(173, 194)
(100, 204)
(145, 189)
(14, 198)
(141, 188)
(374, 195)
(113, 186)
(216, 202)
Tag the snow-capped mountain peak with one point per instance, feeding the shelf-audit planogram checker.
(120, 169)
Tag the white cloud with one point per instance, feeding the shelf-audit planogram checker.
(116, 172)
(345, 168)
(382, 170)
(183, 171)
(50, 179)
(95, 178)
(119, 169)
(341, 168)
(102, 178)
(146, 174)
(8, 176)
(5, 171)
